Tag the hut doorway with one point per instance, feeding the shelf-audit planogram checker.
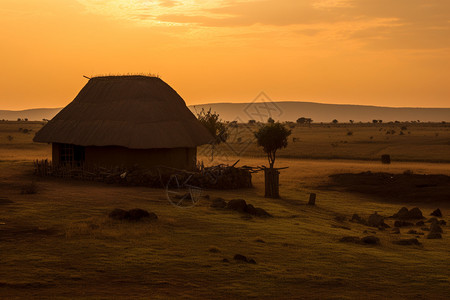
(72, 154)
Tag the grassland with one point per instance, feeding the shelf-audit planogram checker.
(59, 243)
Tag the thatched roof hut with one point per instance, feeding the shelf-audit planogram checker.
(123, 120)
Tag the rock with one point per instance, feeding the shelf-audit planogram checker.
(425, 229)
(219, 203)
(214, 249)
(385, 159)
(420, 223)
(119, 214)
(356, 218)
(404, 214)
(435, 228)
(434, 235)
(251, 261)
(371, 240)
(237, 204)
(240, 257)
(350, 239)
(415, 213)
(312, 199)
(259, 212)
(412, 231)
(132, 215)
(401, 214)
(432, 220)
(225, 260)
(437, 213)
(442, 222)
(375, 220)
(259, 241)
(395, 230)
(136, 214)
(402, 224)
(340, 218)
(407, 242)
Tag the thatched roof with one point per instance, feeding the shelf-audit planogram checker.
(138, 112)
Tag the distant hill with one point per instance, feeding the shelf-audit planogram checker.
(284, 111)
(319, 112)
(36, 114)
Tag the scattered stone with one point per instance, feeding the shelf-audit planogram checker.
(432, 220)
(119, 214)
(219, 203)
(402, 224)
(420, 223)
(132, 215)
(237, 204)
(350, 239)
(434, 235)
(435, 228)
(240, 257)
(416, 213)
(214, 249)
(259, 212)
(395, 230)
(437, 213)
(371, 240)
(136, 214)
(341, 226)
(404, 214)
(312, 199)
(385, 159)
(356, 218)
(442, 222)
(340, 218)
(407, 242)
(243, 258)
(412, 231)
(375, 220)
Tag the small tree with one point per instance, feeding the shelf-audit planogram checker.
(335, 121)
(271, 137)
(216, 128)
(270, 120)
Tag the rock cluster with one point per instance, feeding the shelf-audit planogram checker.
(240, 205)
(135, 214)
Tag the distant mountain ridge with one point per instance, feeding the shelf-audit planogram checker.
(284, 111)
(322, 112)
(35, 114)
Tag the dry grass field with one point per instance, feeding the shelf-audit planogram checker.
(59, 243)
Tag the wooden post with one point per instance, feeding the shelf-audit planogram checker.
(272, 183)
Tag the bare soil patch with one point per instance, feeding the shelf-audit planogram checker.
(408, 188)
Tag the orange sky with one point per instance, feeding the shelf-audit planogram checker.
(376, 52)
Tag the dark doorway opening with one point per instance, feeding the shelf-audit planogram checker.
(72, 154)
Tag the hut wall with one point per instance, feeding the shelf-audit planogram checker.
(111, 156)
(56, 153)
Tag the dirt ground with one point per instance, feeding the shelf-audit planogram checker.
(59, 243)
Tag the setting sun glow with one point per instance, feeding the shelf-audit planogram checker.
(387, 53)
